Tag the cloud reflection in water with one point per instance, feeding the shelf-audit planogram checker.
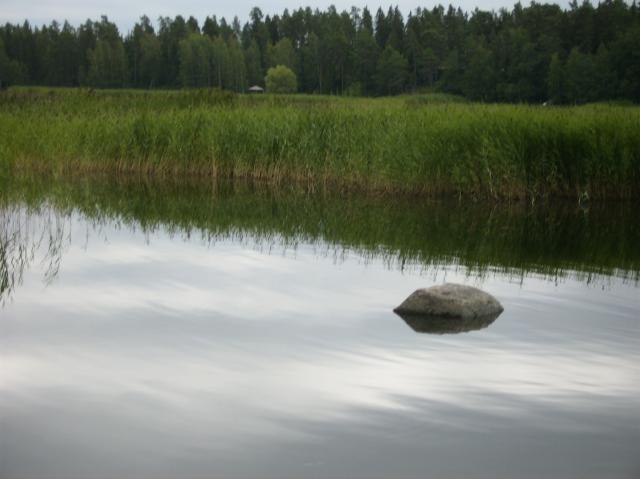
(152, 356)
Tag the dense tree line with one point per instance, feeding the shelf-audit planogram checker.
(529, 54)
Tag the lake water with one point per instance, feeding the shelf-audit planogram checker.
(160, 330)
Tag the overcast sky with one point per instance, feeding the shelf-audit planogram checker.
(125, 12)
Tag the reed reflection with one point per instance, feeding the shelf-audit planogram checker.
(517, 240)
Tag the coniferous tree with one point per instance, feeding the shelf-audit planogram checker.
(479, 78)
(238, 66)
(579, 74)
(11, 71)
(253, 64)
(107, 60)
(312, 65)
(150, 63)
(366, 59)
(527, 54)
(211, 27)
(555, 80)
(222, 71)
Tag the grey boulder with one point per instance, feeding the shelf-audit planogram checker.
(449, 308)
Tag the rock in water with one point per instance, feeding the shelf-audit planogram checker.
(450, 301)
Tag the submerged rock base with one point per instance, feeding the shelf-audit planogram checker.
(442, 325)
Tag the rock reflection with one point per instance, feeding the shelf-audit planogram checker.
(439, 325)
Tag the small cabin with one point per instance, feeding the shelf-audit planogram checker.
(256, 89)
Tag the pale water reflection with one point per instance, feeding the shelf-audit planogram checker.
(160, 354)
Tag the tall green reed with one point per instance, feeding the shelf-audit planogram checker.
(499, 151)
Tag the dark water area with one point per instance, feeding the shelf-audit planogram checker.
(163, 329)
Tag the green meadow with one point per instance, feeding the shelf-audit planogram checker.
(423, 144)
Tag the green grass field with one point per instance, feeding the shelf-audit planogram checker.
(427, 144)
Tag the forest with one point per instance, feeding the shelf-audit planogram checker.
(533, 54)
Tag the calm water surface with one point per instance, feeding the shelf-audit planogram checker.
(154, 331)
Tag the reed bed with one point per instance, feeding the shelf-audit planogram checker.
(389, 144)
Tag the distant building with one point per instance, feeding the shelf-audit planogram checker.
(256, 89)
